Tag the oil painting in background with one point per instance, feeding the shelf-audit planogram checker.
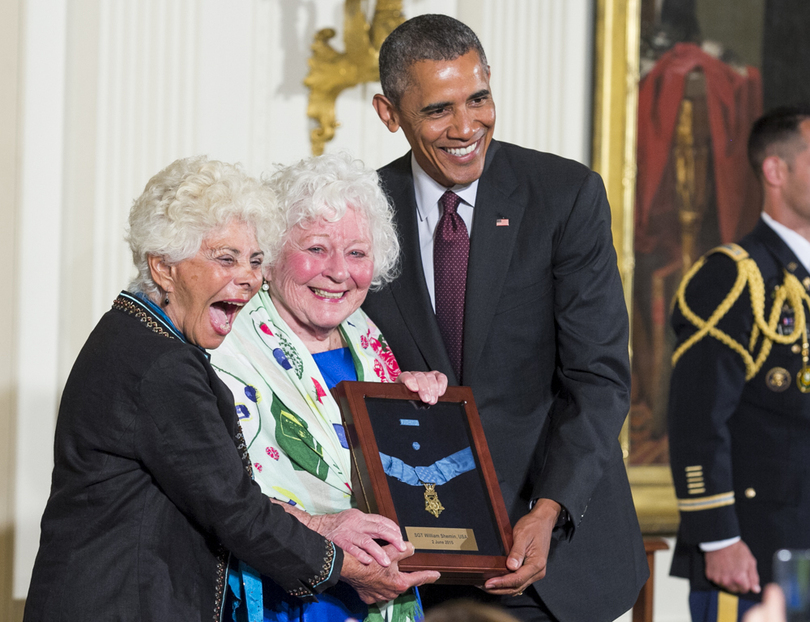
(708, 69)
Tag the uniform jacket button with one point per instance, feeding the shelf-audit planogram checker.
(750, 493)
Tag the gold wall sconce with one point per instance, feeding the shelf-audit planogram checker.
(330, 71)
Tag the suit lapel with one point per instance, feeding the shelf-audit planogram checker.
(409, 290)
(496, 224)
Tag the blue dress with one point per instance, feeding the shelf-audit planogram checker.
(341, 601)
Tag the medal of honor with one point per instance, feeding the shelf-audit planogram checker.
(438, 473)
(432, 503)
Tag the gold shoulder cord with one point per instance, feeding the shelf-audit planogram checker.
(748, 274)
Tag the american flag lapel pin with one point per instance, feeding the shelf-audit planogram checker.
(502, 222)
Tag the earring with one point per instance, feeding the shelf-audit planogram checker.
(265, 286)
(166, 299)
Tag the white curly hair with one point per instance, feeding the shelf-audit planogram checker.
(186, 202)
(325, 187)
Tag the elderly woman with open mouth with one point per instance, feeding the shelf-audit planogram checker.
(300, 336)
(153, 510)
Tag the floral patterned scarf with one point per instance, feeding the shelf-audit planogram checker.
(291, 422)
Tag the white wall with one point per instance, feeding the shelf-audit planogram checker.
(39, 251)
(110, 91)
(9, 130)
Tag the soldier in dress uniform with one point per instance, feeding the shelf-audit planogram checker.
(739, 408)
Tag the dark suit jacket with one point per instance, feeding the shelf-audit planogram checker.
(150, 490)
(545, 352)
(739, 449)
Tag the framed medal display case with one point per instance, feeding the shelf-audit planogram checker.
(428, 468)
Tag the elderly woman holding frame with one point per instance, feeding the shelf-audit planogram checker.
(153, 509)
(300, 336)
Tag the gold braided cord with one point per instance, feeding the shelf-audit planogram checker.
(748, 274)
(754, 336)
(709, 327)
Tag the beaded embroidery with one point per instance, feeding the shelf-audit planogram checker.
(219, 588)
(129, 307)
(326, 570)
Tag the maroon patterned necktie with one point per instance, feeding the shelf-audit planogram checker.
(451, 250)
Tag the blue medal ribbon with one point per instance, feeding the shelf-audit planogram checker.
(440, 472)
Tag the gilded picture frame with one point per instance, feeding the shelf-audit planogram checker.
(678, 85)
(616, 77)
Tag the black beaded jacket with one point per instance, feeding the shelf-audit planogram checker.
(151, 491)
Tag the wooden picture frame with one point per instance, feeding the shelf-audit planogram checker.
(469, 543)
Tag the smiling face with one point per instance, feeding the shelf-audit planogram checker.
(322, 277)
(448, 116)
(208, 290)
